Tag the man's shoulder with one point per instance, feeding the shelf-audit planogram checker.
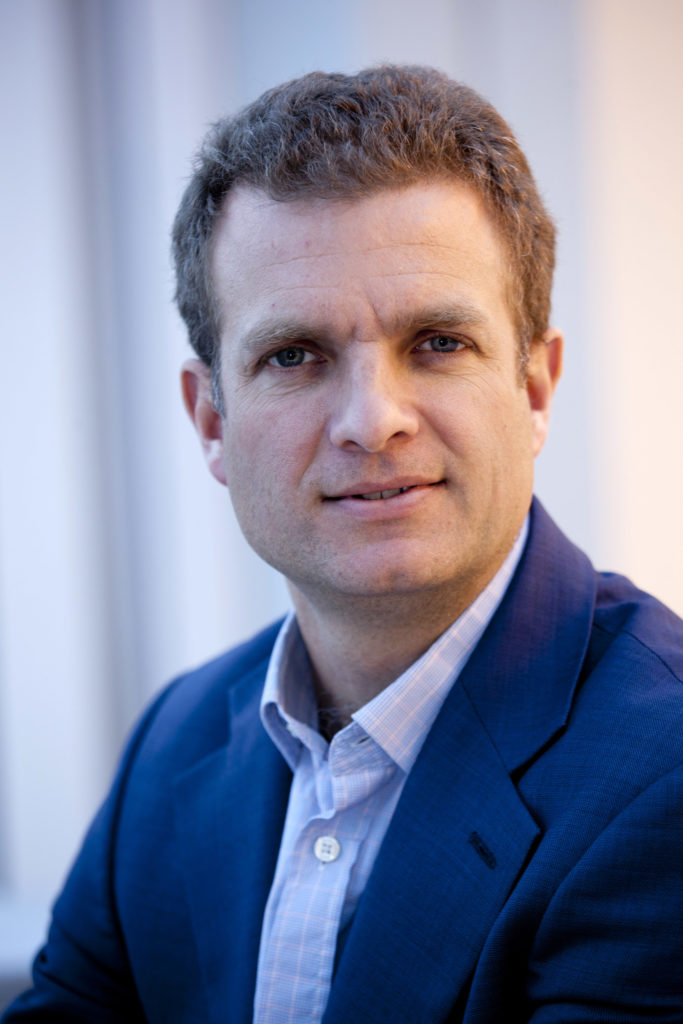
(190, 717)
(630, 619)
(618, 616)
(227, 669)
(625, 727)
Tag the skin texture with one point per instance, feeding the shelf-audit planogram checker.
(367, 345)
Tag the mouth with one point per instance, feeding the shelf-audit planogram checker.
(377, 495)
(382, 495)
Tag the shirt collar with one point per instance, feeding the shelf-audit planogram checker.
(288, 707)
(400, 716)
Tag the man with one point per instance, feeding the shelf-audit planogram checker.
(449, 786)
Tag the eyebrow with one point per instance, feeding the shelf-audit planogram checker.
(292, 331)
(275, 332)
(440, 317)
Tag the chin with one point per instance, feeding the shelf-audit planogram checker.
(378, 581)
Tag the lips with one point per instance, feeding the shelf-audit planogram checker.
(376, 492)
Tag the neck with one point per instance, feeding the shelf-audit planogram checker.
(360, 648)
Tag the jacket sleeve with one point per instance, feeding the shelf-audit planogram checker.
(82, 973)
(610, 945)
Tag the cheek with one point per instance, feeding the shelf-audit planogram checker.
(266, 457)
(477, 417)
(491, 429)
(274, 433)
(250, 464)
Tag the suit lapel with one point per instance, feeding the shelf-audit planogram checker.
(461, 834)
(457, 841)
(522, 676)
(230, 811)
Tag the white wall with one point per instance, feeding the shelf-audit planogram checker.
(632, 96)
(120, 562)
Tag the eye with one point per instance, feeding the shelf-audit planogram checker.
(440, 343)
(293, 355)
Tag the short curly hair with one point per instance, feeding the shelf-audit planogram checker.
(344, 136)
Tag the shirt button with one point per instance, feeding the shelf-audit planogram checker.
(327, 849)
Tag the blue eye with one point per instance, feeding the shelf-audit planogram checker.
(288, 357)
(441, 343)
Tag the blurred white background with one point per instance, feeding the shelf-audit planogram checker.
(120, 562)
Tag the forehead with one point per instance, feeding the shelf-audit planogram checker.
(397, 248)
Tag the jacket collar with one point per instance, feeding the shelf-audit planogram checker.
(522, 676)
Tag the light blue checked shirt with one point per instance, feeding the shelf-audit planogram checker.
(342, 798)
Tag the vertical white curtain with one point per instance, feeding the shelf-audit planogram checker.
(120, 562)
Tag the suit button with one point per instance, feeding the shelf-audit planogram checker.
(327, 848)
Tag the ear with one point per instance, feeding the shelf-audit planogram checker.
(195, 381)
(543, 373)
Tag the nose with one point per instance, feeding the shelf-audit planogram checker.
(373, 404)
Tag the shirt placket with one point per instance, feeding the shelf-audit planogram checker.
(316, 884)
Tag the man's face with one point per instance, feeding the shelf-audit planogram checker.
(376, 437)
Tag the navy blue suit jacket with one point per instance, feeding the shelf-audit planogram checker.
(533, 869)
